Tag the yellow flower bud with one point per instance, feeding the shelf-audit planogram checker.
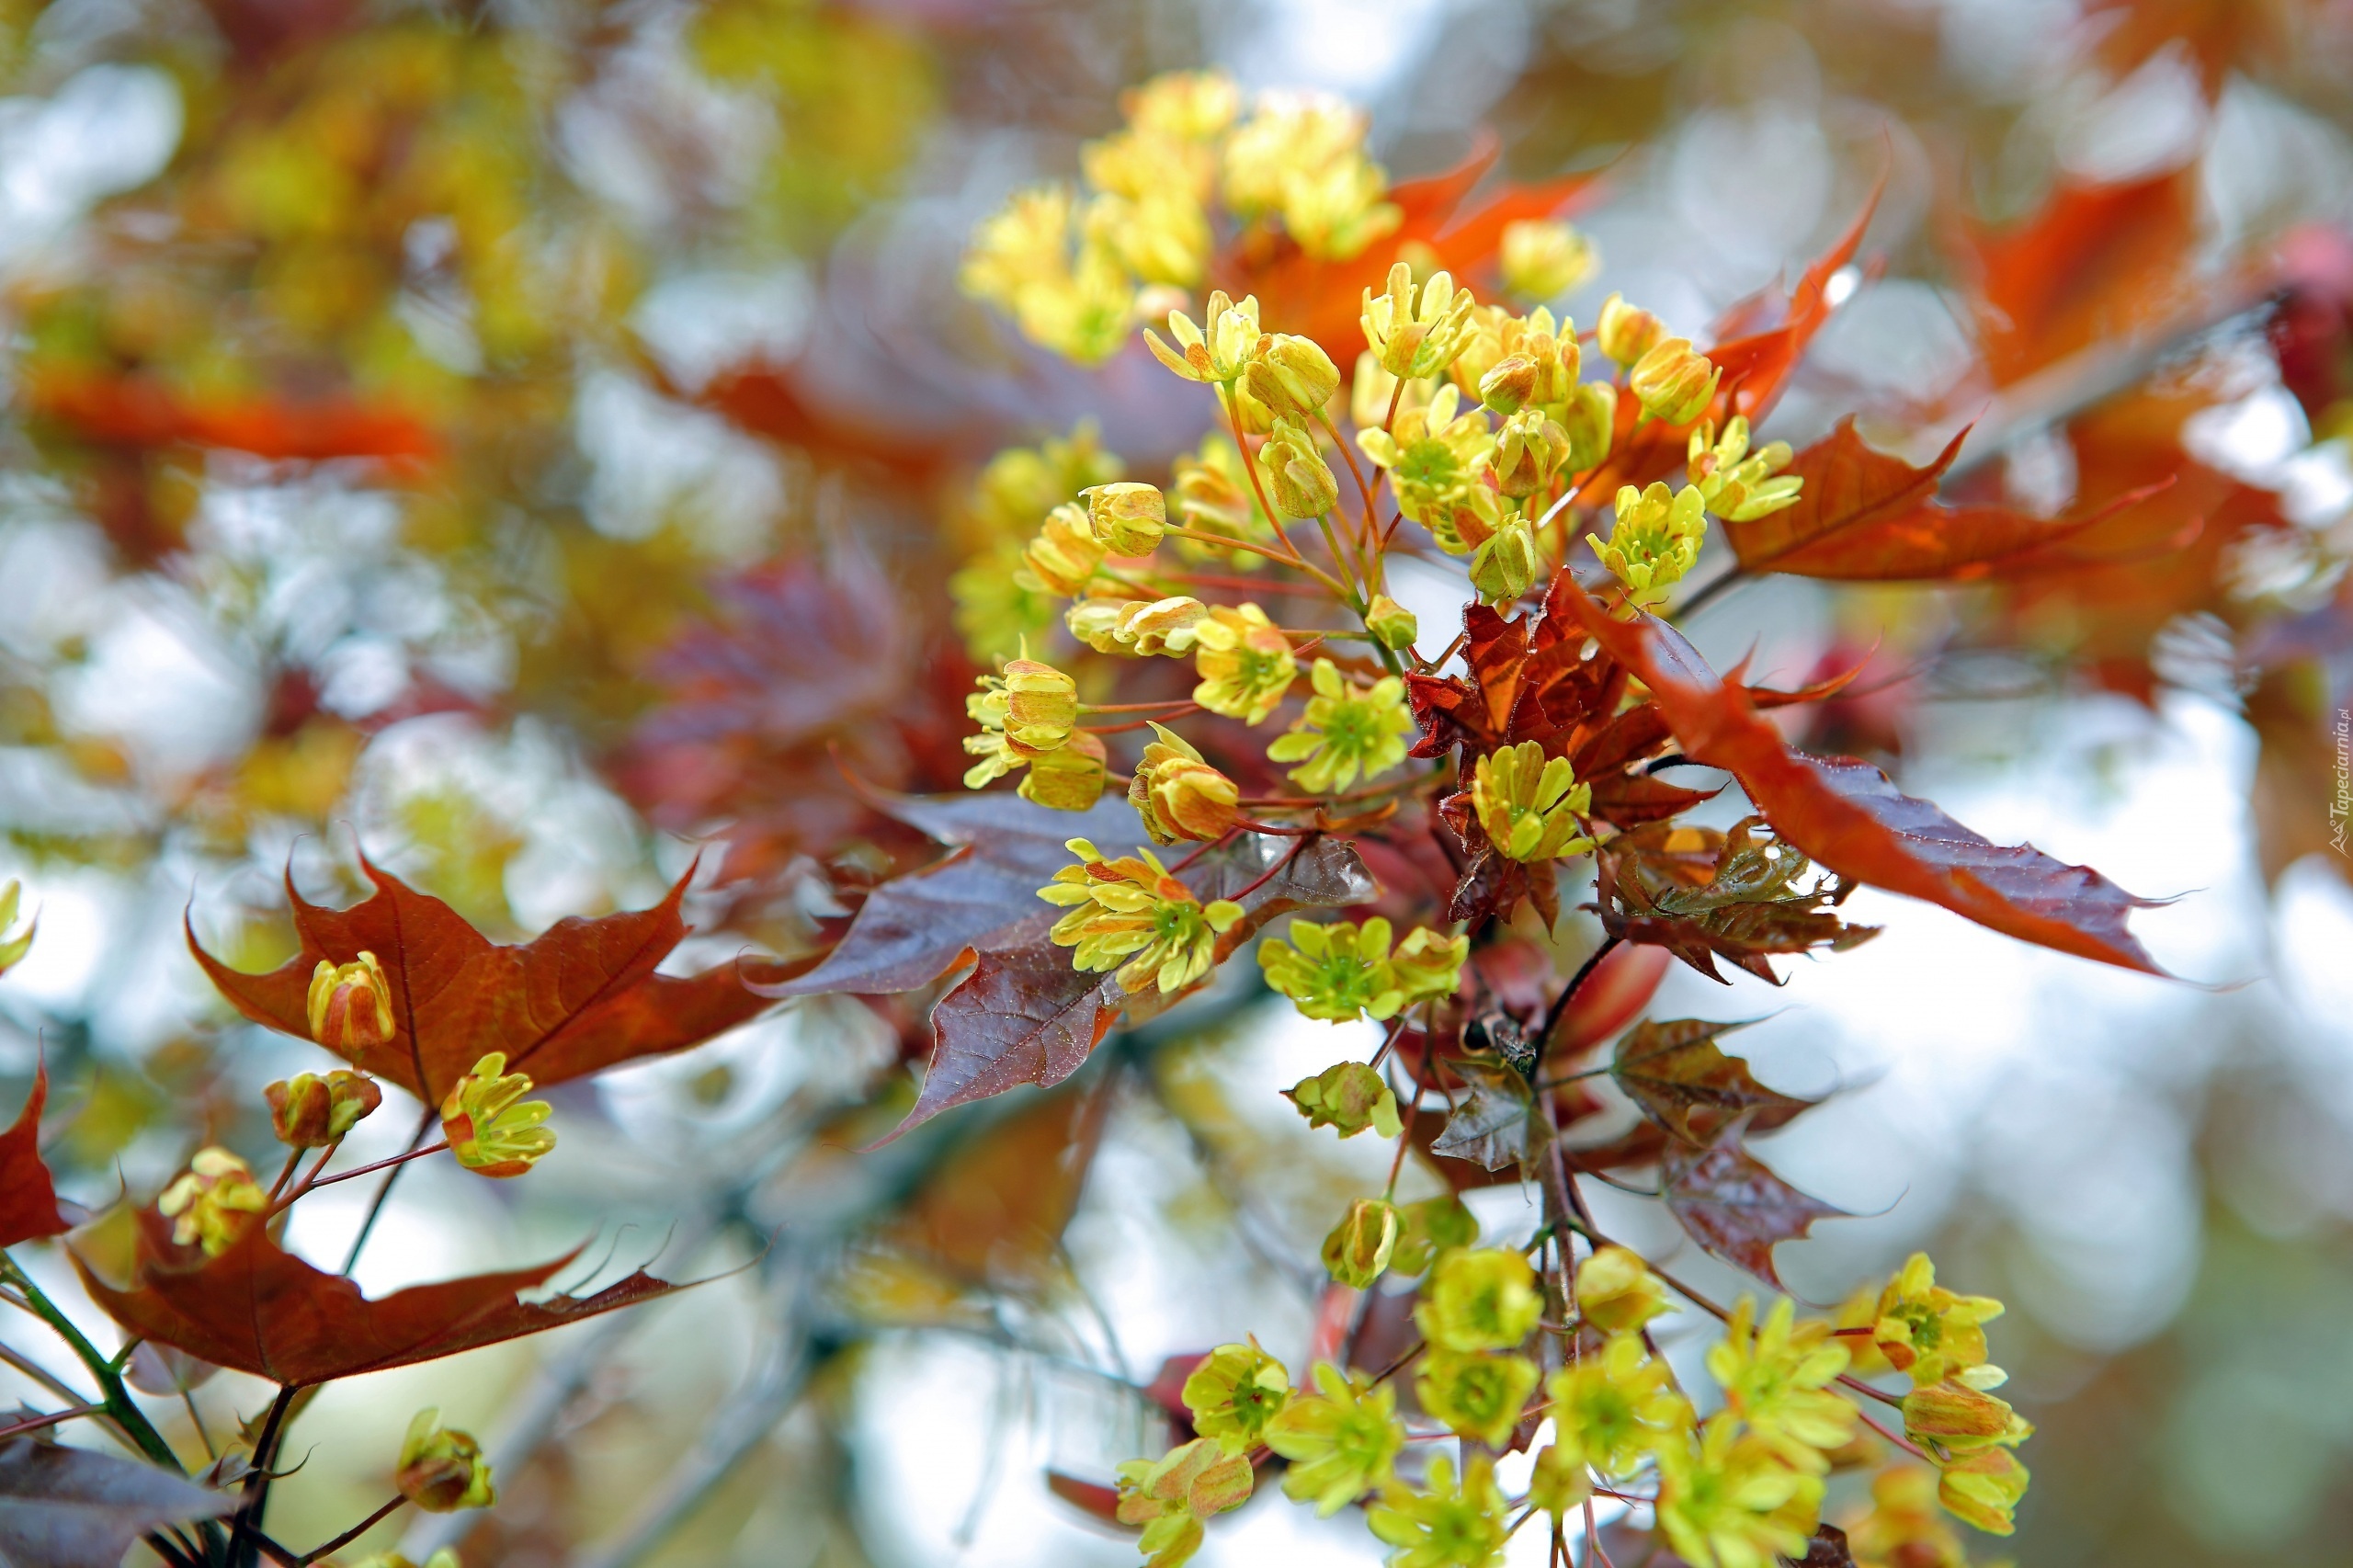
(488, 1130)
(1626, 332)
(1617, 1292)
(1654, 540)
(1530, 804)
(1294, 376)
(1178, 794)
(308, 1112)
(1163, 626)
(1213, 496)
(1069, 779)
(1234, 1393)
(1510, 385)
(1219, 354)
(1417, 332)
(1128, 517)
(1391, 623)
(1480, 1396)
(1349, 1096)
(1529, 449)
(1041, 707)
(1360, 1246)
(211, 1205)
(1952, 1417)
(1983, 1489)
(442, 1470)
(1505, 562)
(1095, 622)
(1063, 556)
(1193, 106)
(1541, 260)
(1590, 421)
(1301, 481)
(1673, 384)
(350, 1005)
(1482, 1299)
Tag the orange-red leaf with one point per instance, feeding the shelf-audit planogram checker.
(27, 1197)
(1870, 516)
(1847, 817)
(1756, 365)
(581, 997)
(137, 410)
(258, 1309)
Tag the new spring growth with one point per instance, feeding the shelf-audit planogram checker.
(1359, 1247)
(1029, 710)
(1558, 1482)
(1234, 1392)
(1654, 540)
(1342, 1440)
(1615, 1292)
(1141, 626)
(492, 1129)
(1968, 1433)
(1132, 914)
(210, 1204)
(1348, 730)
(1625, 332)
(1433, 1227)
(1300, 481)
(1178, 794)
(1930, 1333)
(1535, 365)
(1617, 1408)
(1432, 455)
(350, 1005)
(1417, 331)
(1590, 421)
(1390, 623)
(442, 1470)
(1128, 517)
(1543, 259)
(1506, 562)
(1213, 496)
(1349, 1096)
(1447, 1526)
(1292, 377)
(1737, 487)
(1342, 972)
(1218, 355)
(308, 1111)
(1479, 1299)
(14, 949)
(1301, 157)
(1776, 1377)
(1244, 662)
(1172, 1497)
(1480, 1396)
(1726, 1499)
(1062, 558)
(1673, 384)
(1069, 779)
(1529, 804)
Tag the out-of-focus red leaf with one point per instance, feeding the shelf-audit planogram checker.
(581, 997)
(993, 1213)
(806, 669)
(1321, 300)
(983, 897)
(258, 1309)
(129, 410)
(764, 399)
(27, 1197)
(2097, 262)
(1870, 516)
(1679, 1078)
(1098, 1502)
(63, 1507)
(1026, 1016)
(1827, 1549)
(1620, 987)
(1736, 1208)
(1847, 816)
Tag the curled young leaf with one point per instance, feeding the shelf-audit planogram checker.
(27, 1198)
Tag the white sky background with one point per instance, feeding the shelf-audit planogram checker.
(1978, 1070)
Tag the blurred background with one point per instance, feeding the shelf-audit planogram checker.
(533, 441)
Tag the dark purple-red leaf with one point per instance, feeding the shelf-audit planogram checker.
(27, 1197)
(63, 1507)
(1736, 1209)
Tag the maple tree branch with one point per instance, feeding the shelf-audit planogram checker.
(1560, 1008)
(41, 1374)
(257, 1490)
(354, 1533)
(1271, 872)
(162, 1545)
(1713, 589)
(1900, 1441)
(114, 1395)
(375, 1207)
(286, 1173)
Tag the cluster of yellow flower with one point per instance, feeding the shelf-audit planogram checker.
(1077, 270)
(1741, 1488)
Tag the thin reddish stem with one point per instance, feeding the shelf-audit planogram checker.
(365, 1170)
